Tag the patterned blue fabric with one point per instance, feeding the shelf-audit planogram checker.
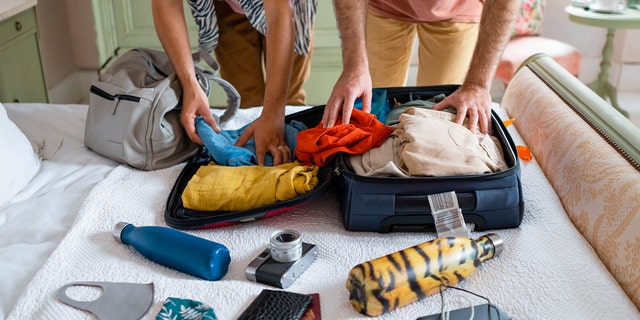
(203, 12)
(185, 309)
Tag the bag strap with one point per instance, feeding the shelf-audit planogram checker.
(158, 66)
(205, 76)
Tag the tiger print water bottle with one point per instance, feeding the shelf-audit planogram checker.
(397, 279)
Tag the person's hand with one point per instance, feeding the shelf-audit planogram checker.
(473, 102)
(196, 103)
(268, 134)
(349, 86)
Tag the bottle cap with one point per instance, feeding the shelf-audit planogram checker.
(117, 230)
(498, 244)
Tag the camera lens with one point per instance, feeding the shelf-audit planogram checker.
(286, 245)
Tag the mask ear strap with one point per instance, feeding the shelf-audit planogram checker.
(83, 305)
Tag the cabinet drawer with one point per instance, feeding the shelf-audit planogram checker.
(17, 25)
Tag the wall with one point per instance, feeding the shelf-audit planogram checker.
(67, 46)
(81, 22)
(55, 41)
(588, 40)
(627, 53)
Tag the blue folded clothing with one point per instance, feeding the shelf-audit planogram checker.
(221, 146)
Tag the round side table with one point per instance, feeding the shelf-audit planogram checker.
(628, 19)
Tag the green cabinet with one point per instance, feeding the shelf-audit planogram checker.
(21, 74)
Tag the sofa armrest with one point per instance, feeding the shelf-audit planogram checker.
(590, 153)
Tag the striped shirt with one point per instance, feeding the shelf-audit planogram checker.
(203, 12)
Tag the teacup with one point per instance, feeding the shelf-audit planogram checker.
(610, 6)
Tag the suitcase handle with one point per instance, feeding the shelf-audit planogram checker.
(420, 203)
(413, 213)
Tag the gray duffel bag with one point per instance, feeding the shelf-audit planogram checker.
(134, 109)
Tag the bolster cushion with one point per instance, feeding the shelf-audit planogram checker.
(599, 189)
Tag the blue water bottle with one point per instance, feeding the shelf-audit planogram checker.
(175, 249)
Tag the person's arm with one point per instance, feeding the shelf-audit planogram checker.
(355, 80)
(268, 129)
(170, 24)
(473, 98)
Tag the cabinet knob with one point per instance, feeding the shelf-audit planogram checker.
(18, 26)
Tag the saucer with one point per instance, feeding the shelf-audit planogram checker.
(601, 9)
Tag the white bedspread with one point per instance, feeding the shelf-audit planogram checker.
(547, 270)
(34, 222)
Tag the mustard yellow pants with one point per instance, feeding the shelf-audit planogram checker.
(241, 52)
(444, 52)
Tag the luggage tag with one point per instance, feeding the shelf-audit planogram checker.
(119, 300)
(447, 215)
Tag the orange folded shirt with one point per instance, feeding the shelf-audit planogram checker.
(317, 145)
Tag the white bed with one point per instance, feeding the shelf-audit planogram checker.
(35, 220)
(58, 230)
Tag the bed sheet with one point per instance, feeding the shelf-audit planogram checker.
(34, 222)
(547, 269)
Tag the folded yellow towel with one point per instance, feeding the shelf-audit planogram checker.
(224, 188)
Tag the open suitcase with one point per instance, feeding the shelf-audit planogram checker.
(179, 217)
(382, 204)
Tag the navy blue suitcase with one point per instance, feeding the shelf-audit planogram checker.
(392, 204)
(380, 204)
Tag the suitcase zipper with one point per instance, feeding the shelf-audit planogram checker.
(336, 171)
